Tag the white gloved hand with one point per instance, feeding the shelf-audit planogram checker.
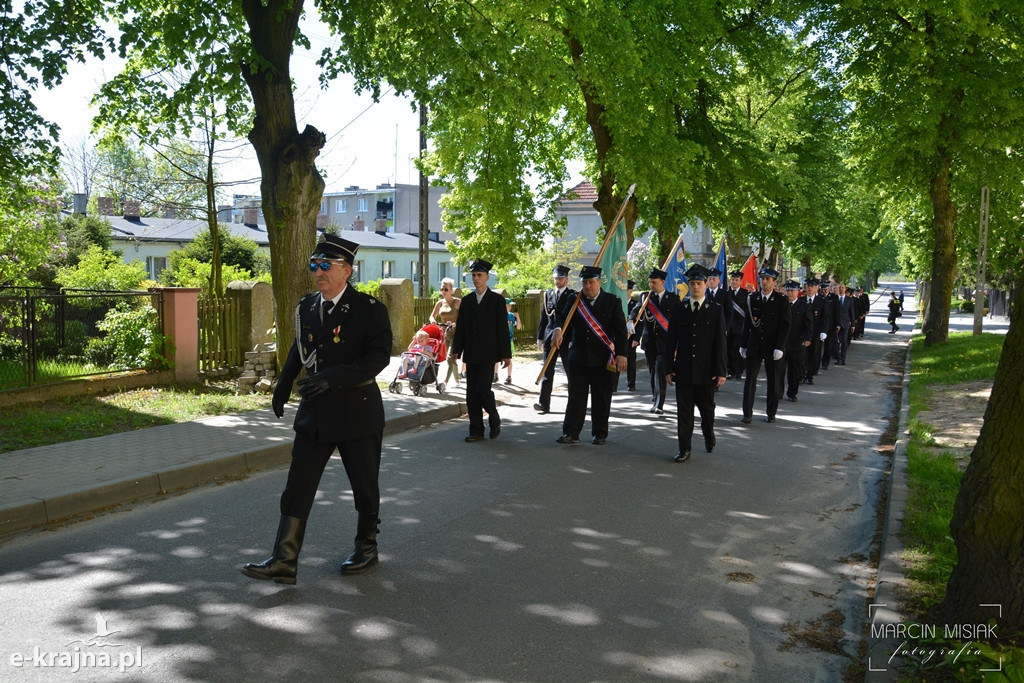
(630, 327)
(823, 335)
(743, 352)
(540, 346)
(777, 355)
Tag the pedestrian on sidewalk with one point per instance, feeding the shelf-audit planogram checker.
(446, 314)
(343, 340)
(895, 311)
(696, 360)
(481, 340)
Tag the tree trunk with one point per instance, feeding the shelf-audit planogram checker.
(986, 524)
(291, 187)
(944, 212)
(608, 202)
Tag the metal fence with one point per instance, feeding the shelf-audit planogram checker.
(220, 333)
(51, 336)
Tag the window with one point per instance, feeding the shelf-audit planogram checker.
(364, 205)
(323, 206)
(414, 268)
(341, 206)
(155, 265)
(387, 268)
(442, 270)
(357, 269)
(260, 210)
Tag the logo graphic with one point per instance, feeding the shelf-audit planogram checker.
(79, 654)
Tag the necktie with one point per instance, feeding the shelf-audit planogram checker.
(328, 306)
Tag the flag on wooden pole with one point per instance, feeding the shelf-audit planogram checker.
(613, 263)
(750, 273)
(675, 270)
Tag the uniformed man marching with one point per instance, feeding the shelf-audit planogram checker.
(695, 361)
(654, 334)
(554, 299)
(764, 340)
(343, 340)
(596, 337)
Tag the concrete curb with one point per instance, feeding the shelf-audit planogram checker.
(61, 506)
(883, 609)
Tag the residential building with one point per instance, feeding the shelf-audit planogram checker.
(583, 220)
(385, 209)
(395, 254)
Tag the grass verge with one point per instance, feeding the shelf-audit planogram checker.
(42, 424)
(934, 478)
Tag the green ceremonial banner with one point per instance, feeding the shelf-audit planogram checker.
(613, 264)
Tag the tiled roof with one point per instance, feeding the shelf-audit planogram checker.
(186, 230)
(584, 192)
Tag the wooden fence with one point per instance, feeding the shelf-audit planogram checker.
(220, 334)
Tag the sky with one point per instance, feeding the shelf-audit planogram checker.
(367, 143)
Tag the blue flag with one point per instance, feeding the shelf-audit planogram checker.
(675, 278)
(720, 261)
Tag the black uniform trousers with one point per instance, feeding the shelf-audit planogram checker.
(547, 383)
(796, 369)
(733, 341)
(597, 382)
(658, 385)
(842, 344)
(813, 359)
(361, 458)
(828, 349)
(775, 373)
(480, 397)
(630, 365)
(703, 397)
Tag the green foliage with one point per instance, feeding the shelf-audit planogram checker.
(131, 341)
(189, 272)
(172, 176)
(372, 288)
(235, 250)
(101, 269)
(639, 261)
(533, 269)
(28, 232)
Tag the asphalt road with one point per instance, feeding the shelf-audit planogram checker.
(509, 560)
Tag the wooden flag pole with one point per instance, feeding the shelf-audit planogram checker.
(576, 301)
(671, 254)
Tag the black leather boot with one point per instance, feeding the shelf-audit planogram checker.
(365, 554)
(283, 564)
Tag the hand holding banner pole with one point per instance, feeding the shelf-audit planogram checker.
(607, 238)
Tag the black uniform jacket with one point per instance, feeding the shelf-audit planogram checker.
(481, 337)
(738, 317)
(655, 339)
(696, 343)
(352, 346)
(821, 314)
(767, 324)
(801, 325)
(723, 297)
(549, 311)
(585, 348)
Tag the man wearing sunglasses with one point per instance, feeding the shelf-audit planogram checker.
(343, 340)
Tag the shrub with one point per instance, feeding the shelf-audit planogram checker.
(131, 341)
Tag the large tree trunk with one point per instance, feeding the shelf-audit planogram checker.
(944, 212)
(988, 580)
(291, 186)
(608, 202)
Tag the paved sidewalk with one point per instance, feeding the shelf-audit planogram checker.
(52, 483)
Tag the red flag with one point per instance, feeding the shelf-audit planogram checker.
(750, 274)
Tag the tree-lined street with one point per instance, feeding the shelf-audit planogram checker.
(515, 559)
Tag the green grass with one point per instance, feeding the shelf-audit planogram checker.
(42, 424)
(933, 483)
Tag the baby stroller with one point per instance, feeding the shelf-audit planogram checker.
(422, 368)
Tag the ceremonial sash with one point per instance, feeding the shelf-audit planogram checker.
(595, 326)
(739, 309)
(656, 313)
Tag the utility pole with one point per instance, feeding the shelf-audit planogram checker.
(424, 262)
(979, 280)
